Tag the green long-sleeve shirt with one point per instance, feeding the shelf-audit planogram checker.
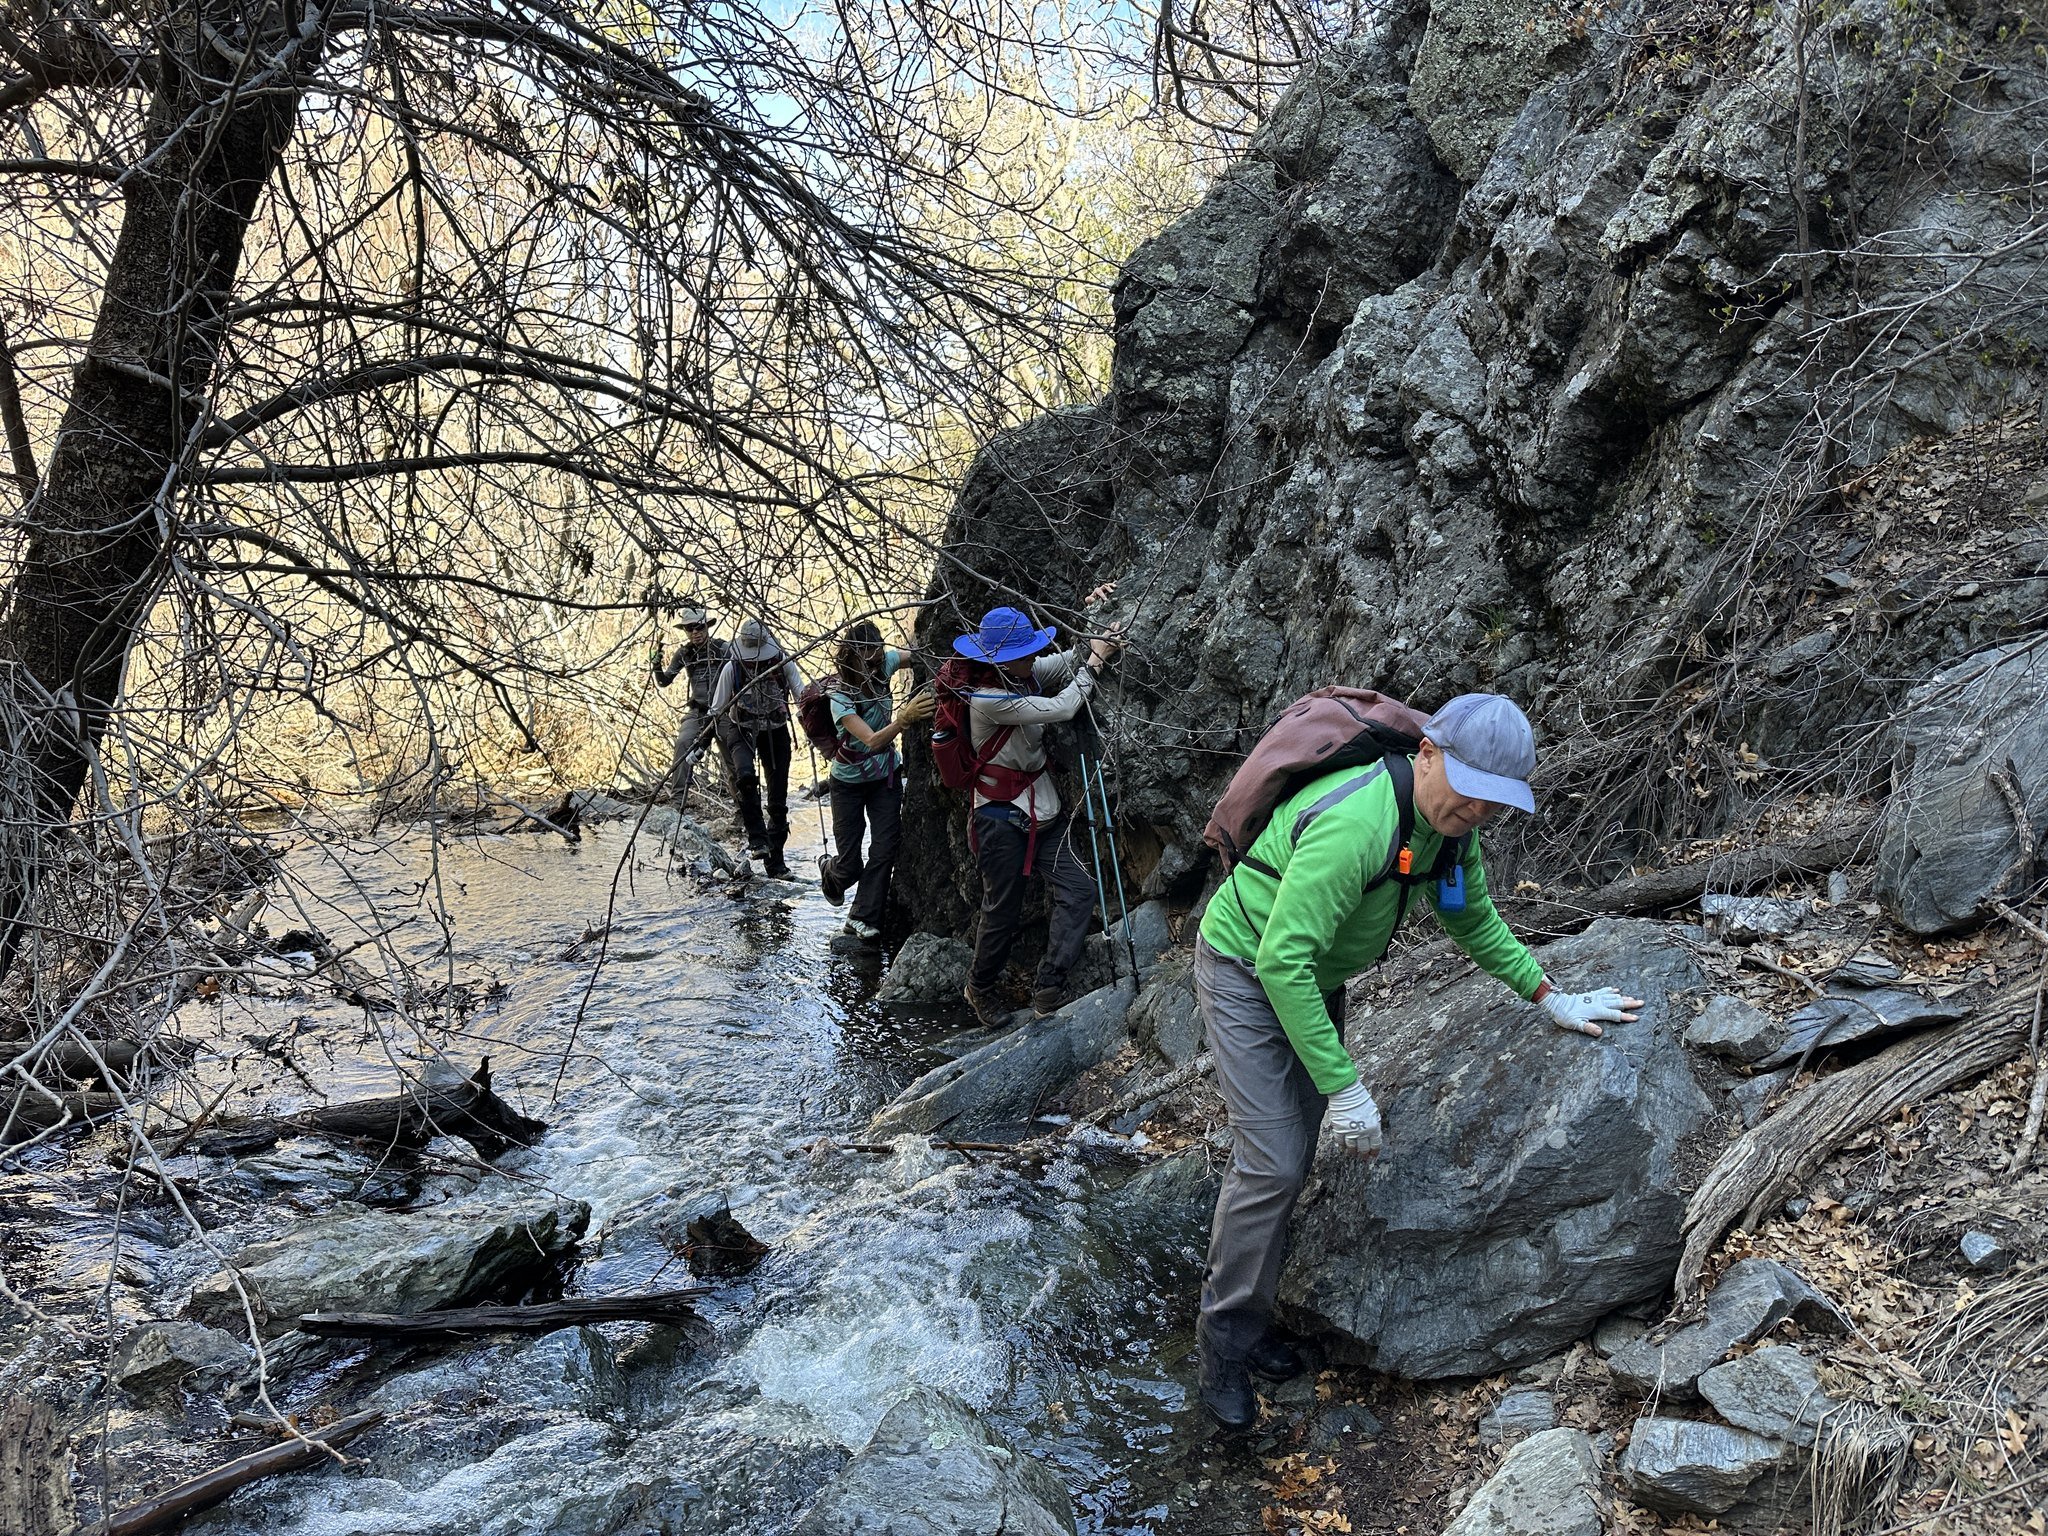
(1312, 929)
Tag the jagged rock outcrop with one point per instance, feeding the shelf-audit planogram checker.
(1518, 360)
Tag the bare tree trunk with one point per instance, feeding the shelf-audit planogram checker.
(226, 87)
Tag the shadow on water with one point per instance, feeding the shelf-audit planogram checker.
(720, 1041)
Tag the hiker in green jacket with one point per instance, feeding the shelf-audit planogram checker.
(1306, 908)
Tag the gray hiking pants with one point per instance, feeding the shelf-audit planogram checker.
(1275, 1115)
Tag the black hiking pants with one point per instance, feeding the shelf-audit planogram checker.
(875, 809)
(760, 759)
(1003, 838)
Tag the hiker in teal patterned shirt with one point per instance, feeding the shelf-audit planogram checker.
(1314, 900)
(867, 777)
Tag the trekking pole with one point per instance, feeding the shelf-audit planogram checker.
(1095, 849)
(1116, 863)
(817, 799)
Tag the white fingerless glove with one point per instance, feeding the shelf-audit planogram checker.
(1584, 1012)
(1355, 1121)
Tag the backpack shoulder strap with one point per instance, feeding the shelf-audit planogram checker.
(1402, 772)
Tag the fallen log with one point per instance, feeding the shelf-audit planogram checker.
(1739, 870)
(35, 1491)
(672, 1308)
(405, 1122)
(26, 1112)
(1764, 1165)
(170, 1509)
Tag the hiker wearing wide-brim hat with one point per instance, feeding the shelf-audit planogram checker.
(752, 699)
(699, 659)
(1351, 806)
(1013, 687)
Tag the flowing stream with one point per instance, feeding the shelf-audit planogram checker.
(718, 1038)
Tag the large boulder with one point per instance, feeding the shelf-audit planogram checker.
(1949, 836)
(1549, 1485)
(1479, 63)
(995, 1087)
(929, 968)
(1532, 1181)
(932, 1468)
(373, 1261)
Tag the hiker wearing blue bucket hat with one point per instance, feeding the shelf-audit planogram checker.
(1013, 686)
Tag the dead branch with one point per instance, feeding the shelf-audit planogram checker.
(2020, 873)
(669, 1308)
(1165, 1087)
(404, 1122)
(1765, 1164)
(2037, 1101)
(35, 1494)
(170, 1509)
(1743, 869)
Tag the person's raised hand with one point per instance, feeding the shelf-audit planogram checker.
(1107, 589)
(1584, 1012)
(1354, 1122)
(921, 705)
(1106, 645)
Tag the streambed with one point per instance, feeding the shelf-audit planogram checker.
(717, 1041)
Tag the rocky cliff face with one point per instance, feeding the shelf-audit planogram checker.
(1537, 359)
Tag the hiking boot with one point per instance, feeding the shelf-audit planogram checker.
(867, 933)
(1047, 1000)
(776, 869)
(757, 847)
(1227, 1394)
(829, 883)
(1274, 1358)
(985, 1007)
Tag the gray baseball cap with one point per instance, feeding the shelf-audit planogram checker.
(754, 642)
(1489, 750)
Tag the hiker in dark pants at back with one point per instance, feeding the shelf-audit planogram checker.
(752, 700)
(867, 777)
(1019, 828)
(1314, 899)
(699, 659)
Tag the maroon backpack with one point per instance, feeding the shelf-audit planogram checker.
(814, 714)
(1331, 728)
(959, 765)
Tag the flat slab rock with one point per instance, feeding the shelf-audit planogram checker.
(933, 1468)
(1685, 1467)
(158, 1354)
(1773, 1391)
(377, 1261)
(1549, 1485)
(1531, 1179)
(1753, 1298)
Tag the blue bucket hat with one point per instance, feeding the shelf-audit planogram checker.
(1005, 635)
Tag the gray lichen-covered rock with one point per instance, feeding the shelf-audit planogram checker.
(994, 1087)
(1478, 65)
(932, 1468)
(385, 1262)
(1773, 1391)
(1739, 1030)
(1683, 1467)
(1949, 836)
(157, 1354)
(1549, 1485)
(1142, 938)
(1524, 1411)
(1166, 1015)
(1742, 919)
(1753, 1298)
(1849, 1014)
(929, 968)
(1510, 442)
(1530, 1180)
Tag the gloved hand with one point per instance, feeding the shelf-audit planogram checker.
(1354, 1121)
(1582, 1012)
(919, 706)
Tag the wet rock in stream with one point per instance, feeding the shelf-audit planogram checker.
(932, 1468)
(353, 1260)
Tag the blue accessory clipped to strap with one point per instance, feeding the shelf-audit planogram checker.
(1450, 890)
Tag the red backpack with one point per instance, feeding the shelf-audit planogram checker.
(959, 765)
(814, 714)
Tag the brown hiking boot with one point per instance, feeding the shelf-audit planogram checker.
(985, 1007)
(1047, 1000)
